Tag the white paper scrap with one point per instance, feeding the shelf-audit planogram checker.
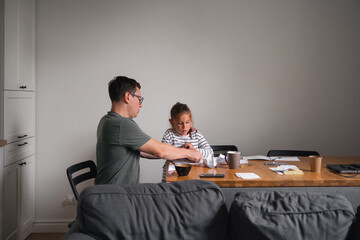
(247, 175)
(280, 169)
(221, 159)
(210, 161)
(171, 167)
(243, 161)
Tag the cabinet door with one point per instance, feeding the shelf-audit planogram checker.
(1, 193)
(11, 44)
(19, 115)
(27, 195)
(19, 41)
(27, 45)
(11, 201)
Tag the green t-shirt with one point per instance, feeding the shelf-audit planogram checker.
(118, 141)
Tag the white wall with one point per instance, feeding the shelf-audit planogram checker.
(279, 74)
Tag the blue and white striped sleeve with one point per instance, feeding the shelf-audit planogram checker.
(168, 137)
(204, 147)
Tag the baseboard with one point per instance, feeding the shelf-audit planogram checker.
(51, 226)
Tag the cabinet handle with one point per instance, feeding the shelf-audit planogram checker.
(23, 163)
(22, 87)
(22, 144)
(22, 136)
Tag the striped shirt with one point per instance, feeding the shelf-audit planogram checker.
(197, 140)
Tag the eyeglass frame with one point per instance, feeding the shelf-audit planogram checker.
(141, 99)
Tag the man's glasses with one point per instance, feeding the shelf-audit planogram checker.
(141, 99)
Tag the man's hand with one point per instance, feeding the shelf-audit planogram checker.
(195, 155)
(169, 152)
(188, 146)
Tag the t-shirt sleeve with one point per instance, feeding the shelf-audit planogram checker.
(132, 136)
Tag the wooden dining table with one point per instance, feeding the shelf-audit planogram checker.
(269, 178)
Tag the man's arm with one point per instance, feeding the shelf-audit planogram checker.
(146, 155)
(169, 152)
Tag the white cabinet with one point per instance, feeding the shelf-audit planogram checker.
(17, 125)
(19, 45)
(19, 198)
(18, 150)
(11, 201)
(19, 115)
(27, 196)
(1, 192)
(19, 164)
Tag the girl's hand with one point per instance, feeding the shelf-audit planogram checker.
(188, 146)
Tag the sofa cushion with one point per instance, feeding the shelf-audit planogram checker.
(193, 209)
(290, 215)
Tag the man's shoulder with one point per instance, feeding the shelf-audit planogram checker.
(117, 119)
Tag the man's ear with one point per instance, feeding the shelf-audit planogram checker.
(127, 97)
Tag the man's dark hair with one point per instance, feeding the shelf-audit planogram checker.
(120, 85)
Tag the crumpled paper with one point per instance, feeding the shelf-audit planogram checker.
(171, 167)
(282, 168)
(210, 161)
(221, 159)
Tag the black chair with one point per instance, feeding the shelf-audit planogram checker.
(81, 177)
(291, 153)
(222, 149)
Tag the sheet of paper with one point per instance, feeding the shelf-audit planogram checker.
(257, 157)
(247, 175)
(261, 157)
(289, 159)
(185, 161)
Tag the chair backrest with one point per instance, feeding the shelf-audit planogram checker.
(294, 153)
(82, 176)
(222, 149)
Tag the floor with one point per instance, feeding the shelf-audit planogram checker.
(46, 236)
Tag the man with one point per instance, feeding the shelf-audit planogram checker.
(120, 141)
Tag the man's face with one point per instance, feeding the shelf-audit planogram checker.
(135, 103)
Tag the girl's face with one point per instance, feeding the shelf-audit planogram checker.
(181, 124)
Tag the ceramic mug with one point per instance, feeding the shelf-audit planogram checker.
(233, 159)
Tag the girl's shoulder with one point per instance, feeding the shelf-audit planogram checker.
(170, 131)
(197, 134)
(195, 131)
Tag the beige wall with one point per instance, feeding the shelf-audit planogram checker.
(258, 74)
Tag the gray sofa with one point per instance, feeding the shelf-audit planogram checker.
(196, 209)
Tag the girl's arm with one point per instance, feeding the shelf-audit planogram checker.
(204, 147)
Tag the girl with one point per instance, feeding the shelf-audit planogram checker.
(182, 134)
